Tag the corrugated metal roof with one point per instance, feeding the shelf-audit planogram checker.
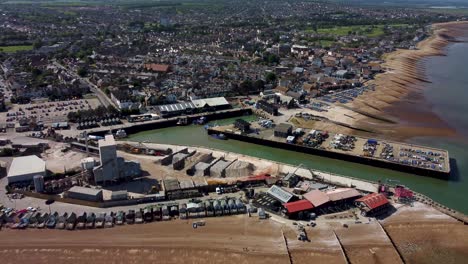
(26, 165)
(176, 107)
(373, 200)
(317, 197)
(298, 206)
(215, 101)
(342, 193)
(280, 194)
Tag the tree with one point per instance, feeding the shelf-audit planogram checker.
(270, 77)
(82, 71)
(37, 44)
(258, 85)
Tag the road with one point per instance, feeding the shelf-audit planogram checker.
(103, 98)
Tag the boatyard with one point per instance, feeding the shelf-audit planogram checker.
(405, 157)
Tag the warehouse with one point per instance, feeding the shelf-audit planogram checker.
(176, 109)
(211, 104)
(373, 204)
(298, 209)
(19, 173)
(317, 198)
(280, 194)
(82, 193)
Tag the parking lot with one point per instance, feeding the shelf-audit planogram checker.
(47, 112)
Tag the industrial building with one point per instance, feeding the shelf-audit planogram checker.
(112, 168)
(296, 209)
(23, 169)
(280, 194)
(82, 193)
(119, 195)
(108, 155)
(196, 105)
(373, 204)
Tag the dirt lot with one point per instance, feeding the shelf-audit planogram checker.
(424, 235)
(236, 239)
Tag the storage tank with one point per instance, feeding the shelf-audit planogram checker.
(38, 183)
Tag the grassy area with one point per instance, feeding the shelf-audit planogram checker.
(12, 49)
(326, 43)
(363, 30)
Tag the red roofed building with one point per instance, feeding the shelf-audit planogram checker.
(373, 204)
(294, 209)
(157, 67)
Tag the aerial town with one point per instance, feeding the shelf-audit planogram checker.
(84, 85)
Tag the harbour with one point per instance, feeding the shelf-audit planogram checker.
(442, 171)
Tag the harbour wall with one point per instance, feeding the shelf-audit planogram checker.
(334, 155)
(132, 128)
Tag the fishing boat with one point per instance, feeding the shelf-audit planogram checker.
(219, 136)
(200, 121)
(90, 220)
(100, 219)
(120, 218)
(183, 121)
(41, 220)
(109, 220)
(62, 221)
(81, 221)
(120, 134)
(52, 221)
(71, 221)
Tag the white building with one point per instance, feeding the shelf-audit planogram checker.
(23, 169)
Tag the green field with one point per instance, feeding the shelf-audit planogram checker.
(12, 49)
(362, 30)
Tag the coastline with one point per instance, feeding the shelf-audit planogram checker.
(399, 90)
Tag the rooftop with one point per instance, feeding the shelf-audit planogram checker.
(83, 190)
(26, 165)
(298, 206)
(373, 200)
(342, 193)
(107, 141)
(317, 197)
(280, 194)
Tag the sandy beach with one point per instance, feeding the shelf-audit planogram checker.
(398, 95)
